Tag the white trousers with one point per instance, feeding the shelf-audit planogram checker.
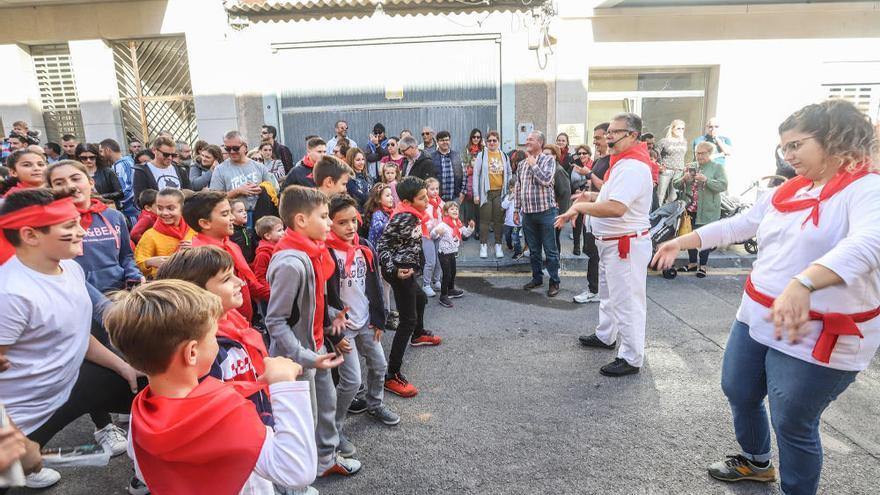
(622, 299)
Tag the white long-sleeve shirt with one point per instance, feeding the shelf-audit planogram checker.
(846, 241)
(448, 242)
(289, 456)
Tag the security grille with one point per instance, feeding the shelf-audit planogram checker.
(58, 99)
(866, 97)
(155, 93)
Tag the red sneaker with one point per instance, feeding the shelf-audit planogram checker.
(426, 338)
(399, 385)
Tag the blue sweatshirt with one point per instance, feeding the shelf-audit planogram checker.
(107, 259)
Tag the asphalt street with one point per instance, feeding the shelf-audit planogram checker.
(510, 404)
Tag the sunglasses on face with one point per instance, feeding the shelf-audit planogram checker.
(232, 148)
(583, 153)
(169, 155)
(86, 158)
(426, 134)
(477, 137)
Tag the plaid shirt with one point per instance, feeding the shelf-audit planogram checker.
(447, 179)
(533, 192)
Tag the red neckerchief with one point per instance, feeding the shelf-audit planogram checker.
(564, 152)
(53, 213)
(206, 442)
(241, 266)
(98, 208)
(436, 204)
(19, 186)
(637, 152)
(234, 326)
(475, 148)
(420, 215)
(782, 197)
(178, 231)
(455, 224)
(588, 165)
(350, 249)
(323, 266)
(307, 161)
(387, 210)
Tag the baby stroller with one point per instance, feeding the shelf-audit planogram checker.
(734, 205)
(665, 222)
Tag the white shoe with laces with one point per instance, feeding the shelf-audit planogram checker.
(586, 297)
(112, 438)
(499, 253)
(42, 479)
(429, 291)
(484, 251)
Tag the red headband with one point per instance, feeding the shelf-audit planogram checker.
(35, 216)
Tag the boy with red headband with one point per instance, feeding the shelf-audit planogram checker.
(355, 284)
(400, 256)
(194, 435)
(209, 214)
(298, 313)
(169, 233)
(59, 370)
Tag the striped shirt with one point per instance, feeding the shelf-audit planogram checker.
(534, 185)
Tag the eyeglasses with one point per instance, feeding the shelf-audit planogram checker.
(795, 145)
(491, 140)
(169, 155)
(233, 148)
(392, 144)
(86, 158)
(426, 134)
(618, 131)
(583, 153)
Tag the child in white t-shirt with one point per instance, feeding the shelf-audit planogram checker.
(449, 232)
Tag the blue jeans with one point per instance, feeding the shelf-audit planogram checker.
(511, 237)
(798, 393)
(539, 232)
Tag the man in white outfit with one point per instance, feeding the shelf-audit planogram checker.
(619, 220)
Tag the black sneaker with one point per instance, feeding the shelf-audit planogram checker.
(455, 293)
(445, 302)
(619, 367)
(532, 285)
(516, 256)
(576, 251)
(593, 341)
(358, 405)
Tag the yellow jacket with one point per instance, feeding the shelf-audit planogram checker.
(152, 244)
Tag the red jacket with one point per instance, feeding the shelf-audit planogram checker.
(262, 259)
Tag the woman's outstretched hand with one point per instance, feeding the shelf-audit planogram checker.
(666, 254)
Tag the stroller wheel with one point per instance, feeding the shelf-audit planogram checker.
(751, 246)
(670, 273)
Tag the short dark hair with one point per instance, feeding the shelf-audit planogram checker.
(646, 136)
(200, 205)
(134, 140)
(298, 199)
(147, 153)
(339, 202)
(315, 142)
(163, 141)
(409, 187)
(68, 137)
(329, 166)
(111, 145)
(378, 128)
(603, 127)
(196, 265)
(147, 198)
(310, 137)
(55, 147)
(271, 130)
(443, 135)
(28, 197)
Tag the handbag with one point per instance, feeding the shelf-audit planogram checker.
(685, 227)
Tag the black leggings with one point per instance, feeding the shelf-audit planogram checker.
(411, 301)
(447, 263)
(97, 389)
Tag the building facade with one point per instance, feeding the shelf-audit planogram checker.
(198, 68)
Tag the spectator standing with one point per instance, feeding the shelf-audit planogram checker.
(567, 156)
(672, 150)
(561, 185)
(587, 177)
(123, 167)
(723, 144)
(535, 206)
(473, 147)
(447, 167)
(52, 152)
(428, 144)
(491, 173)
(377, 147)
(303, 173)
(341, 132)
(360, 183)
(185, 159)
(159, 173)
(239, 176)
(417, 163)
(200, 173)
(272, 164)
(393, 155)
(701, 188)
(270, 133)
(135, 146)
(106, 183)
(68, 144)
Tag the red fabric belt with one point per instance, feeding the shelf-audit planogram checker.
(833, 324)
(623, 242)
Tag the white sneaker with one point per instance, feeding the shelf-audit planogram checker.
(309, 490)
(498, 252)
(436, 286)
(429, 291)
(43, 478)
(484, 251)
(112, 438)
(586, 297)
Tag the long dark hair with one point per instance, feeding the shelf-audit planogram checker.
(93, 149)
(470, 142)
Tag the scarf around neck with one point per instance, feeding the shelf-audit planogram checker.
(455, 224)
(178, 231)
(98, 208)
(421, 216)
(782, 198)
(350, 249)
(233, 325)
(638, 152)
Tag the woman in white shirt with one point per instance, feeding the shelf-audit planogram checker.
(808, 321)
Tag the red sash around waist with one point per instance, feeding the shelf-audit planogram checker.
(623, 242)
(833, 324)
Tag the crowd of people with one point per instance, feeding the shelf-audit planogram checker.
(229, 292)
